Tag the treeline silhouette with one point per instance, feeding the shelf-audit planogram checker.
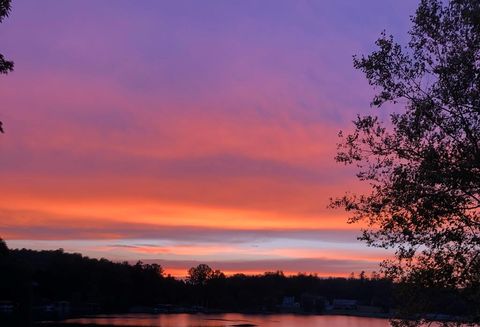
(28, 276)
(31, 278)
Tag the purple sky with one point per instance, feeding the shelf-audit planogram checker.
(187, 131)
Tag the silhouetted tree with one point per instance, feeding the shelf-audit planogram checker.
(3, 248)
(424, 164)
(207, 286)
(200, 274)
(6, 66)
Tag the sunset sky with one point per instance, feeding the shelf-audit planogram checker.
(186, 132)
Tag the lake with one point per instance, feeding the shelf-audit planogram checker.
(230, 319)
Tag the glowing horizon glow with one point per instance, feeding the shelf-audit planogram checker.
(183, 132)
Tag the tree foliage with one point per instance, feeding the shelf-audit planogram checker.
(423, 165)
(3, 248)
(202, 273)
(6, 66)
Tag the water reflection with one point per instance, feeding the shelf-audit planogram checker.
(232, 320)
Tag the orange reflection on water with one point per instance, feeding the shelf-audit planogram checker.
(231, 319)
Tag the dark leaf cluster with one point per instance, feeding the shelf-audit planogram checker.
(6, 66)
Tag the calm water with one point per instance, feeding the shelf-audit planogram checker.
(231, 319)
